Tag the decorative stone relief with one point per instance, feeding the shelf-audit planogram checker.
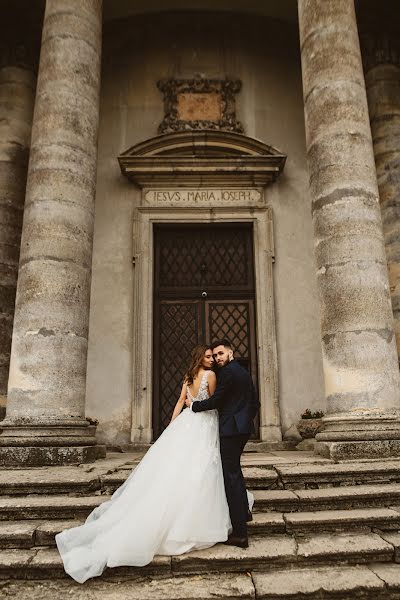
(199, 104)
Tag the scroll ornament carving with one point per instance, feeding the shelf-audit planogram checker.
(223, 91)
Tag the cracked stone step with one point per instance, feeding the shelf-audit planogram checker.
(351, 548)
(324, 475)
(343, 520)
(321, 582)
(48, 507)
(272, 552)
(256, 478)
(45, 563)
(204, 587)
(266, 553)
(69, 507)
(32, 533)
(31, 481)
(336, 498)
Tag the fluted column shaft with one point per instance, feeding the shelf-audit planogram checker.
(17, 95)
(46, 394)
(359, 353)
(383, 92)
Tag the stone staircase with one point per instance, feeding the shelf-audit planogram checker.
(320, 530)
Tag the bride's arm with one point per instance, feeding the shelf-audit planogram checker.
(180, 403)
(212, 382)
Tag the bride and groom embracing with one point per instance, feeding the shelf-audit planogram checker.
(188, 492)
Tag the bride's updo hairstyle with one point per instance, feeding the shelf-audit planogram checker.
(196, 362)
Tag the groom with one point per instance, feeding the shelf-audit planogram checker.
(237, 404)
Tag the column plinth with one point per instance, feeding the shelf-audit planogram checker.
(45, 420)
(358, 343)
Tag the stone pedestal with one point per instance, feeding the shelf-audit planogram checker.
(45, 420)
(359, 351)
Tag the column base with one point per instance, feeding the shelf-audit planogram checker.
(141, 436)
(358, 450)
(34, 456)
(45, 441)
(363, 435)
(270, 433)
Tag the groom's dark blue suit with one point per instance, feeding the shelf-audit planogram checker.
(236, 400)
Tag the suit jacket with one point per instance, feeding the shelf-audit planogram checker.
(235, 399)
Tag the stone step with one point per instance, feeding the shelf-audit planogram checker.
(34, 532)
(260, 473)
(264, 553)
(373, 582)
(283, 501)
(77, 481)
(385, 519)
(312, 476)
(231, 586)
(48, 507)
(329, 583)
(336, 498)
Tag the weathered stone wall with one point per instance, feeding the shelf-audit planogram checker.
(136, 54)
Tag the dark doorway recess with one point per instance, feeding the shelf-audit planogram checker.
(203, 290)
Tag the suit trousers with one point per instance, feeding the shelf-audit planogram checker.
(235, 487)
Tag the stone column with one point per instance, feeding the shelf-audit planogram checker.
(382, 77)
(20, 31)
(17, 94)
(358, 343)
(45, 421)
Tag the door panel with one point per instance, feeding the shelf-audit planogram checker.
(203, 290)
(235, 321)
(177, 331)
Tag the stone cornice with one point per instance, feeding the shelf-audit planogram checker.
(214, 158)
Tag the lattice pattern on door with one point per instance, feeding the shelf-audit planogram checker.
(193, 257)
(231, 320)
(178, 336)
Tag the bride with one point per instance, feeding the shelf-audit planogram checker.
(173, 502)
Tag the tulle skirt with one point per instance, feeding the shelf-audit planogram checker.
(173, 502)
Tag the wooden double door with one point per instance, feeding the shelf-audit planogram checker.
(203, 291)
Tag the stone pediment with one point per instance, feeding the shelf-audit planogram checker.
(207, 157)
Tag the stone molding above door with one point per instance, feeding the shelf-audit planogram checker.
(197, 158)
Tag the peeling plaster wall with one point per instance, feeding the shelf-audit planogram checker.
(264, 54)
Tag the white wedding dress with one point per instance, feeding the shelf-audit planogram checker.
(173, 502)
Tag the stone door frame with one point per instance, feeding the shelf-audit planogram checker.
(144, 219)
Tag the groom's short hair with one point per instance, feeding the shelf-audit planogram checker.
(222, 342)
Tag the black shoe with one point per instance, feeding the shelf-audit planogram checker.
(240, 542)
(249, 517)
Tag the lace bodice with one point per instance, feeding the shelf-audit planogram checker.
(202, 394)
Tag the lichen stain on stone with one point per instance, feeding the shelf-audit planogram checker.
(386, 334)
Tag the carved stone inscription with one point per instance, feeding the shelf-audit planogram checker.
(203, 197)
